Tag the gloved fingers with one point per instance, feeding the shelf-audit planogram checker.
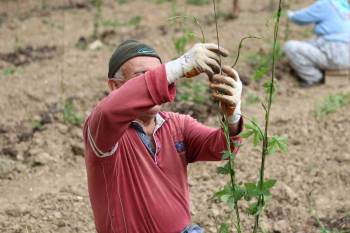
(213, 64)
(212, 55)
(227, 99)
(222, 88)
(218, 78)
(204, 67)
(218, 50)
(231, 72)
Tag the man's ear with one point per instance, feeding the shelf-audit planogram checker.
(113, 84)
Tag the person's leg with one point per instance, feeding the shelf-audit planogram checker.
(307, 60)
(338, 54)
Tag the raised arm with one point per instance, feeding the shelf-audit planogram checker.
(112, 116)
(204, 143)
(312, 14)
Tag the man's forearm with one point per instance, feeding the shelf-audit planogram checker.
(235, 128)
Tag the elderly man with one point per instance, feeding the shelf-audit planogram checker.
(137, 155)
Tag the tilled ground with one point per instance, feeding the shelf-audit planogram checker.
(42, 171)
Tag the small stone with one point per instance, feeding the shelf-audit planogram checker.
(280, 226)
(97, 44)
(42, 159)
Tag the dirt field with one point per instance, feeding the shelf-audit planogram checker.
(42, 171)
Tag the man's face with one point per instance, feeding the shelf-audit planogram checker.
(135, 67)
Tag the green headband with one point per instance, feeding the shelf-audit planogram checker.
(127, 50)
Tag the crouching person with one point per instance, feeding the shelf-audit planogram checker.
(331, 47)
(137, 155)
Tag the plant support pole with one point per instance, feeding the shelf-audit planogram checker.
(267, 117)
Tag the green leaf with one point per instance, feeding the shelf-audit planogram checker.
(253, 129)
(269, 184)
(276, 143)
(227, 195)
(238, 193)
(251, 190)
(255, 209)
(261, 72)
(224, 170)
(246, 134)
(227, 154)
(224, 228)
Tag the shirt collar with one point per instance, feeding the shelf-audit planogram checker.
(158, 119)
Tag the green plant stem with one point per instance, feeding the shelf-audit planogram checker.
(267, 118)
(240, 47)
(217, 33)
(232, 172)
(238, 219)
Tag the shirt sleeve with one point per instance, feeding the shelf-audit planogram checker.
(204, 143)
(312, 14)
(112, 116)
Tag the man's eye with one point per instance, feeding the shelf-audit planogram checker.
(139, 73)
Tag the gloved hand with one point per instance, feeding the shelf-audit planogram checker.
(227, 88)
(290, 14)
(201, 58)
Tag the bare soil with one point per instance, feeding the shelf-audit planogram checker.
(42, 172)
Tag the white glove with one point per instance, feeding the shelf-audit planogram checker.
(201, 58)
(290, 14)
(227, 89)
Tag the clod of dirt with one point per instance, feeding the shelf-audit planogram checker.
(29, 54)
(163, 30)
(77, 149)
(12, 152)
(81, 43)
(25, 136)
(40, 158)
(3, 129)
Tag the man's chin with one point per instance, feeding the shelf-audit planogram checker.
(153, 111)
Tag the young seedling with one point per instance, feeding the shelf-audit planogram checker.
(198, 2)
(332, 103)
(70, 114)
(97, 18)
(233, 193)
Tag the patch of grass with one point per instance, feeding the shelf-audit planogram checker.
(121, 2)
(193, 91)
(11, 70)
(132, 22)
(181, 42)
(53, 24)
(252, 99)
(198, 2)
(70, 114)
(332, 103)
(262, 62)
(111, 23)
(135, 21)
(37, 125)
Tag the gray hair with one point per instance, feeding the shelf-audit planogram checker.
(118, 75)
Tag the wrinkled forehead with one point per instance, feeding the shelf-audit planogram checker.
(140, 64)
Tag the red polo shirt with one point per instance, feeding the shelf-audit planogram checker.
(130, 190)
